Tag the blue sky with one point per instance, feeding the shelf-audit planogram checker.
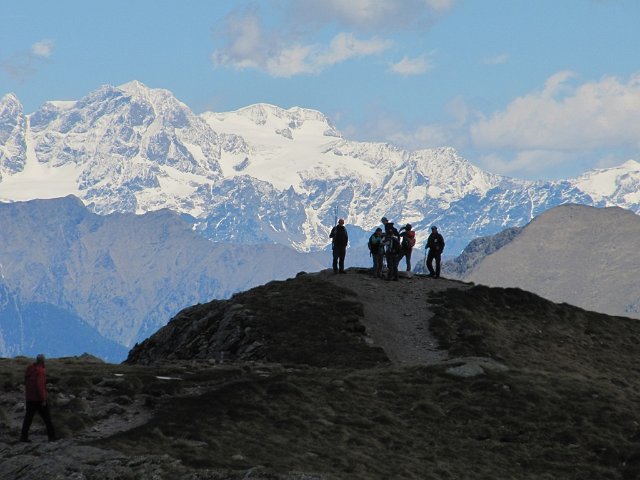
(537, 89)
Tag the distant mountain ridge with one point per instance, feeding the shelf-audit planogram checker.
(117, 278)
(264, 174)
(476, 251)
(576, 254)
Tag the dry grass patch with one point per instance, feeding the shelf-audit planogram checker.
(414, 422)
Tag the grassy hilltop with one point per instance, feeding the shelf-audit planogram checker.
(504, 385)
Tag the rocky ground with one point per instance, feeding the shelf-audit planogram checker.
(346, 376)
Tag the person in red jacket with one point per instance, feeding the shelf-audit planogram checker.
(36, 395)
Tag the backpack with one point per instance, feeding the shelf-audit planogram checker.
(391, 245)
(389, 229)
(408, 240)
(339, 235)
(411, 238)
(371, 246)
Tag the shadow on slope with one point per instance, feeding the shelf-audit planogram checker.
(527, 331)
(304, 321)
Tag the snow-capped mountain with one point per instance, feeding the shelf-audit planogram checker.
(263, 174)
(13, 152)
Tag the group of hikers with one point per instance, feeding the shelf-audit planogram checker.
(388, 245)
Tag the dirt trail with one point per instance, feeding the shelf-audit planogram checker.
(397, 313)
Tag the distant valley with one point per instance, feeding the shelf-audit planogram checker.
(72, 281)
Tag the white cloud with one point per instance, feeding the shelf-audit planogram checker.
(459, 111)
(345, 46)
(291, 44)
(563, 125)
(357, 13)
(290, 61)
(370, 15)
(566, 117)
(247, 46)
(424, 136)
(440, 5)
(42, 49)
(529, 162)
(497, 59)
(411, 66)
(451, 133)
(251, 46)
(609, 160)
(22, 65)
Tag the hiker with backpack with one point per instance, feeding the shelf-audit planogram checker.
(340, 239)
(389, 229)
(435, 244)
(408, 236)
(376, 251)
(391, 245)
(392, 255)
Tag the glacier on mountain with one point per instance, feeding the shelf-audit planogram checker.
(264, 174)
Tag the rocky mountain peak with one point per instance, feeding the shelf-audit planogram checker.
(616, 185)
(13, 149)
(165, 105)
(289, 124)
(138, 149)
(10, 102)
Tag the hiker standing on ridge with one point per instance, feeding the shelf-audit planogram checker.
(408, 241)
(391, 245)
(392, 253)
(389, 229)
(36, 395)
(340, 239)
(435, 244)
(377, 252)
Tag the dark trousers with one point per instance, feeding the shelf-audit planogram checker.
(339, 253)
(43, 410)
(430, 258)
(406, 254)
(392, 266)
(378, 263)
